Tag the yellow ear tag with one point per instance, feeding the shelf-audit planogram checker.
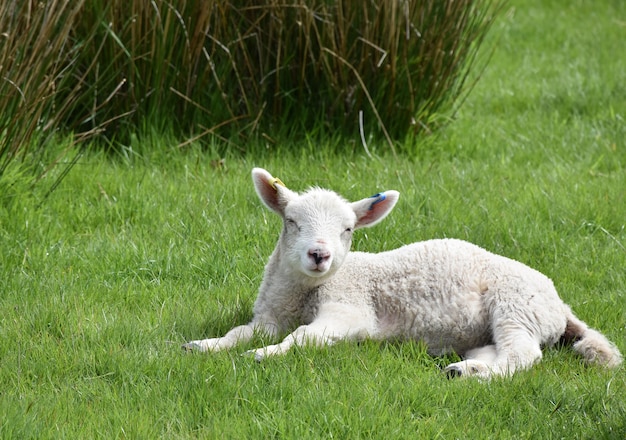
(276, 181)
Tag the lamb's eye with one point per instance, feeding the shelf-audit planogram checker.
(348, 230)
(290, 223)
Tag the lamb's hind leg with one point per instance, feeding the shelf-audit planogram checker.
(515, 349)
(475, 361)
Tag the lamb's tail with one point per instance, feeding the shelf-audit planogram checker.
(591, 344)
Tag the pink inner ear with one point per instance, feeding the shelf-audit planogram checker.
(268, 190)
(375, 208)
(379, 198)
(268, 194)
(368, 218)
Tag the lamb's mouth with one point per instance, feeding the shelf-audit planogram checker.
(316, 271)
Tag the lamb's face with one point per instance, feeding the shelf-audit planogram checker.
(317, 233)
(318, 225)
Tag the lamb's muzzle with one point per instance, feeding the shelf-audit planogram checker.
(319, 255)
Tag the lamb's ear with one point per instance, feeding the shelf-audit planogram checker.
(272, 192)
(373, 209)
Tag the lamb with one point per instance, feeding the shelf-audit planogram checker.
(496, 313)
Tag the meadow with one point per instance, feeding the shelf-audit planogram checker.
(136, 252)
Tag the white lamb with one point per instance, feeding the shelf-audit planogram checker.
(495, 312)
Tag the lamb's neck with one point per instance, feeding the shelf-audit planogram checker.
(284, 297)
(280, 279)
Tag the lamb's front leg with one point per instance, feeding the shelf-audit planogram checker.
(242, 333)
(334, 322)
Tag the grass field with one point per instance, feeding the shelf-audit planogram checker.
(133, 255)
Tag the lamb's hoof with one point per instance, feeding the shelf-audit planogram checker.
(258, 357)
(191, 346)
(452, 372)
(469, 368)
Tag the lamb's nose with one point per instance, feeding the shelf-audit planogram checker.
(319, 255)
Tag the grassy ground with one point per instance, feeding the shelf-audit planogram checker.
(131, 257)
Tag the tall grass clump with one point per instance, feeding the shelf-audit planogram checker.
(252, 66)
(234, 69)
(396, 63)
(36, 54)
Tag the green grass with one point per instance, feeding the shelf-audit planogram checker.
(132, 256)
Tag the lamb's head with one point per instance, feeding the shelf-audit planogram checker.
(318, 224)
